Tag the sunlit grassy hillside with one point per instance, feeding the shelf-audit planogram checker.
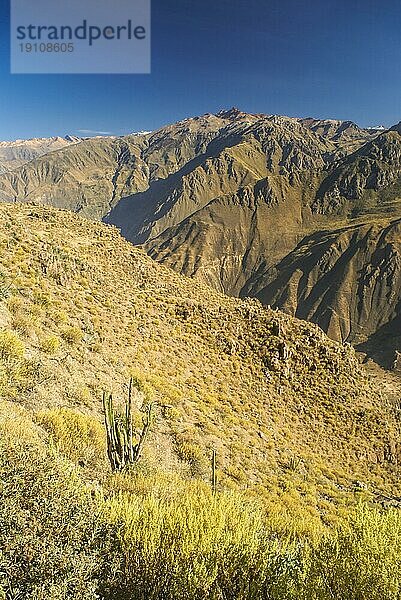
(292, 416)
(167, 538)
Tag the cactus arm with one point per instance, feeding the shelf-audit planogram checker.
(121, 450)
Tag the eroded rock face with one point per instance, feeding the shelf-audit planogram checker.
(302, 213)
(362, 176)
(348, 281)
(17, 153)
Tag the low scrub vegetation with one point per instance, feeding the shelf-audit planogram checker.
(77, 436)
(292, 417)
(289, 411)
(162, 537)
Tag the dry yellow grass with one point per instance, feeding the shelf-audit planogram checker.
(291, 414)
(163, 537)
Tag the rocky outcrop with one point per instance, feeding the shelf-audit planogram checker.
(365, 180)
(302, 213)
(347, 280)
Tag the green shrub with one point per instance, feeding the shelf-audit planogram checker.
(162, 537)
(78, 436)
(11, 347)
(359, 561)
(72, 335)
(15, 369)
(48, 527)
(50, 345)
(199, 545)
(152, 539)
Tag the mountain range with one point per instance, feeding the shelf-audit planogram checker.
(294, 417)
(301, 213)
(17, 153)
(263, 457)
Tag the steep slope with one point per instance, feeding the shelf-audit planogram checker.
(239, 203)
(366, 181)
(95, 174)
(291, 413)
(346, 134)
(81, 178)
(267, 159)
(227, 240)
(231, 198)
(15, 154)
(347, 280)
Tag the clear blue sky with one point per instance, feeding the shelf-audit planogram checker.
(323, 58)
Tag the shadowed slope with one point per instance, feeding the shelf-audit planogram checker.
(291, 413)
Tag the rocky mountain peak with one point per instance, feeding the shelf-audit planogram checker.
(231, 113)
(237, 200)
(396, 128)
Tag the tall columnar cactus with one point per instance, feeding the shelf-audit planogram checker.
(214, 474)
(121, 449)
